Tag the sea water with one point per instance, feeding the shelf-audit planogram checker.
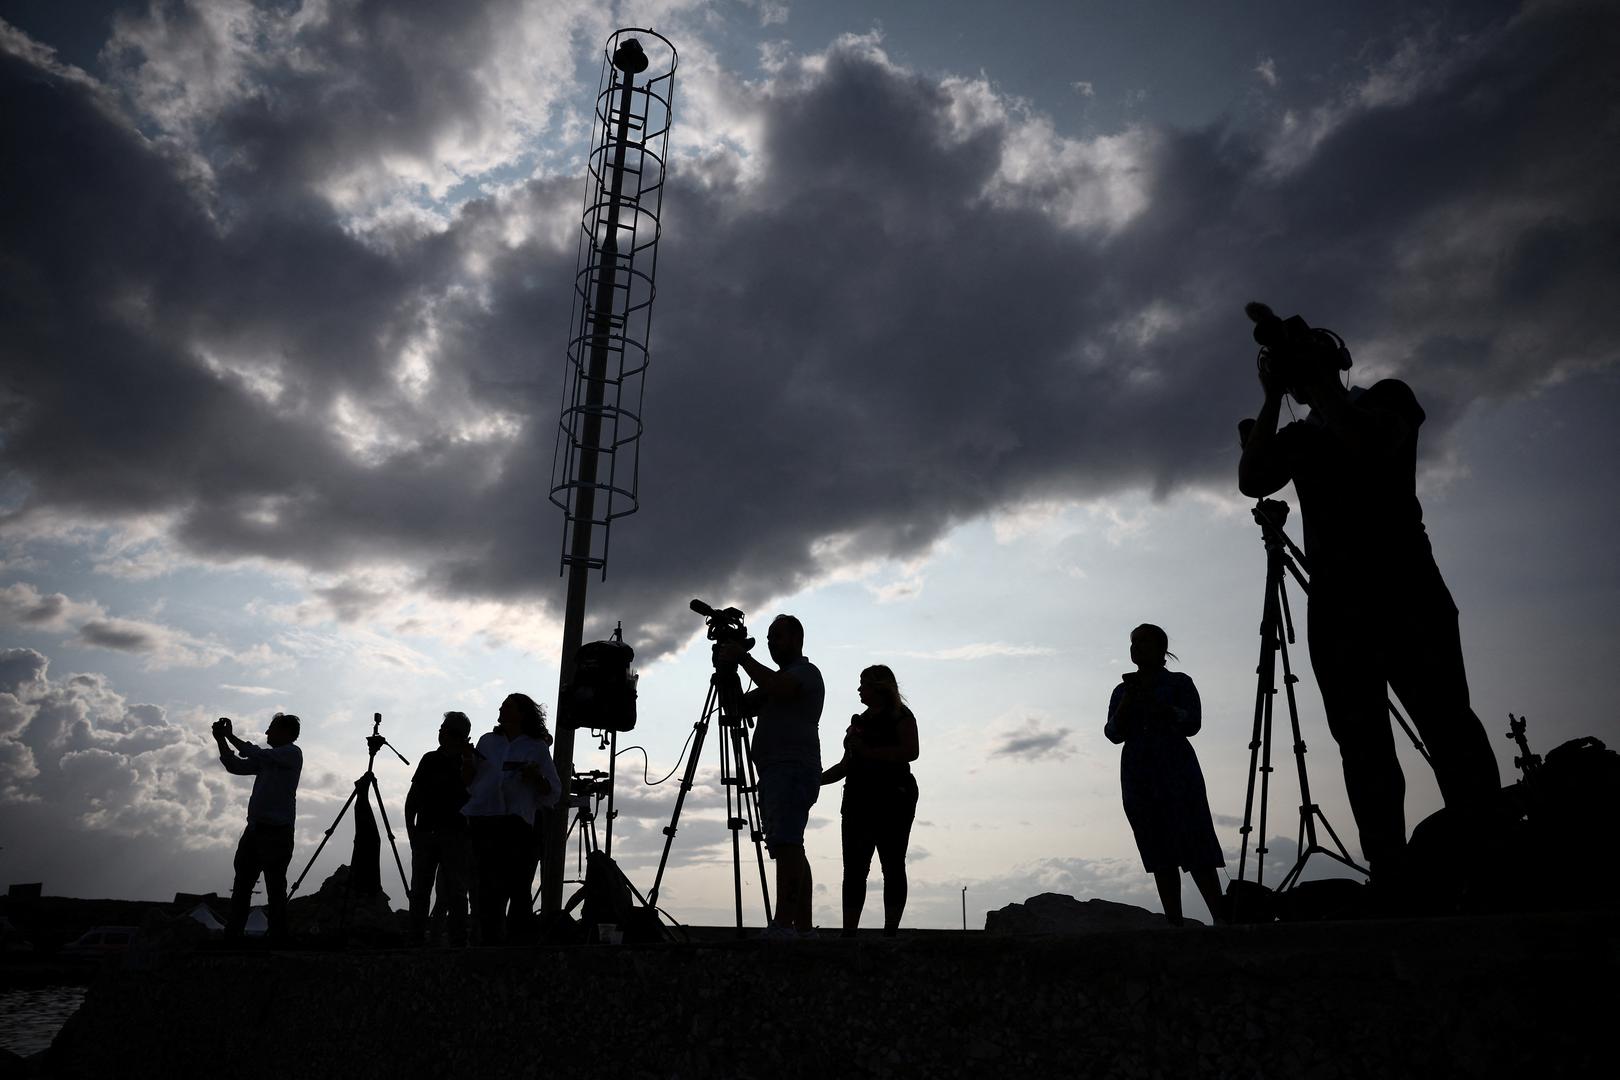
(30, 1019)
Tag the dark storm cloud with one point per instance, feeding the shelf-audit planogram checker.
(280, 100)
(910, 306)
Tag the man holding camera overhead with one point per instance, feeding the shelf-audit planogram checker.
(1380, 616)
(787, 752)
(266, 846)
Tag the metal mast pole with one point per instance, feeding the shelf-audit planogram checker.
(613, 304)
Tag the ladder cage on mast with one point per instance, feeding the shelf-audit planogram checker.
(596, 464)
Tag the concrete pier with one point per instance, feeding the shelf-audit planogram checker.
(1496, 996)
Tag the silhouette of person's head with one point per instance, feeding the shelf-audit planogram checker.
(283, 729)
(785, 639)
(1149, 646)
(878, 689)
(453, 731)
(522, 715)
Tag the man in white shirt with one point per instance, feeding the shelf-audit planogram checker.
(267, 842)
(514, 780)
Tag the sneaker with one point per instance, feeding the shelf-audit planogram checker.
(811, 934)
(778, 932)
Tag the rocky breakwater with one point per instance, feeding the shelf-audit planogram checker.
(1503, 996)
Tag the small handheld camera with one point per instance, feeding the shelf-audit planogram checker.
(222, 726)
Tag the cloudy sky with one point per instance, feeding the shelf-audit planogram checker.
(948, 355)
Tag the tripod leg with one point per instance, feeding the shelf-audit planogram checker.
(613, 770)
(1342, 853)
(729, 749)
(1307, 823)
(1309, 811)
(1264, 688)
(1423, 751)
(1275, 643)
(756, 832)
(319, 848)
(389, 831)
(702, 729)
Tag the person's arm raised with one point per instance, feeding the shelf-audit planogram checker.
(1262, 469)
(777, 685)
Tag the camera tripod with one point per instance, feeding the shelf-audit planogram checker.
(586, 794)
(737, 776)
(1284, 557)
(367, 783)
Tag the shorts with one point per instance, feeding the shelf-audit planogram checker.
(787, 791)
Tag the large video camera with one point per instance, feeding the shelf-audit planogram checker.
(725, 628)
(1291, 347)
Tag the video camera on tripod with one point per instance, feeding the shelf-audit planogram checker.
(725, 628)
(738, 777)
(593, 784)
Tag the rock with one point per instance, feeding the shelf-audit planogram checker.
(333, 911)
(163, 939)
(1054, 913)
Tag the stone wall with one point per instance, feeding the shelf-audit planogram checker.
(1509, 996)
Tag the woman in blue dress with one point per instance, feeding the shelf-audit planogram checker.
(1153, 712)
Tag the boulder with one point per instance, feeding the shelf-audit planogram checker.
(1054, 913)
(335, 912)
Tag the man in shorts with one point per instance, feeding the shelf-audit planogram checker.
(787, 755)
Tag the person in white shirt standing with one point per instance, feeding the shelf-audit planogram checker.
(514, 780)
(267, 843)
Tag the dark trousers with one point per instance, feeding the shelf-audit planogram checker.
(504, 856)
(1365, 643)
(882, 825)
(439, 863)
(263, 849)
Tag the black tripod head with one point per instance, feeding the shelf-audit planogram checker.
(376, 741)
(1524, 761)
(1271, 515)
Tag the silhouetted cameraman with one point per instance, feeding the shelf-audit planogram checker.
(787, 752)
(267, 843)
(1380, 615)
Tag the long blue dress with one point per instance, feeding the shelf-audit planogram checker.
(1159, 777)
